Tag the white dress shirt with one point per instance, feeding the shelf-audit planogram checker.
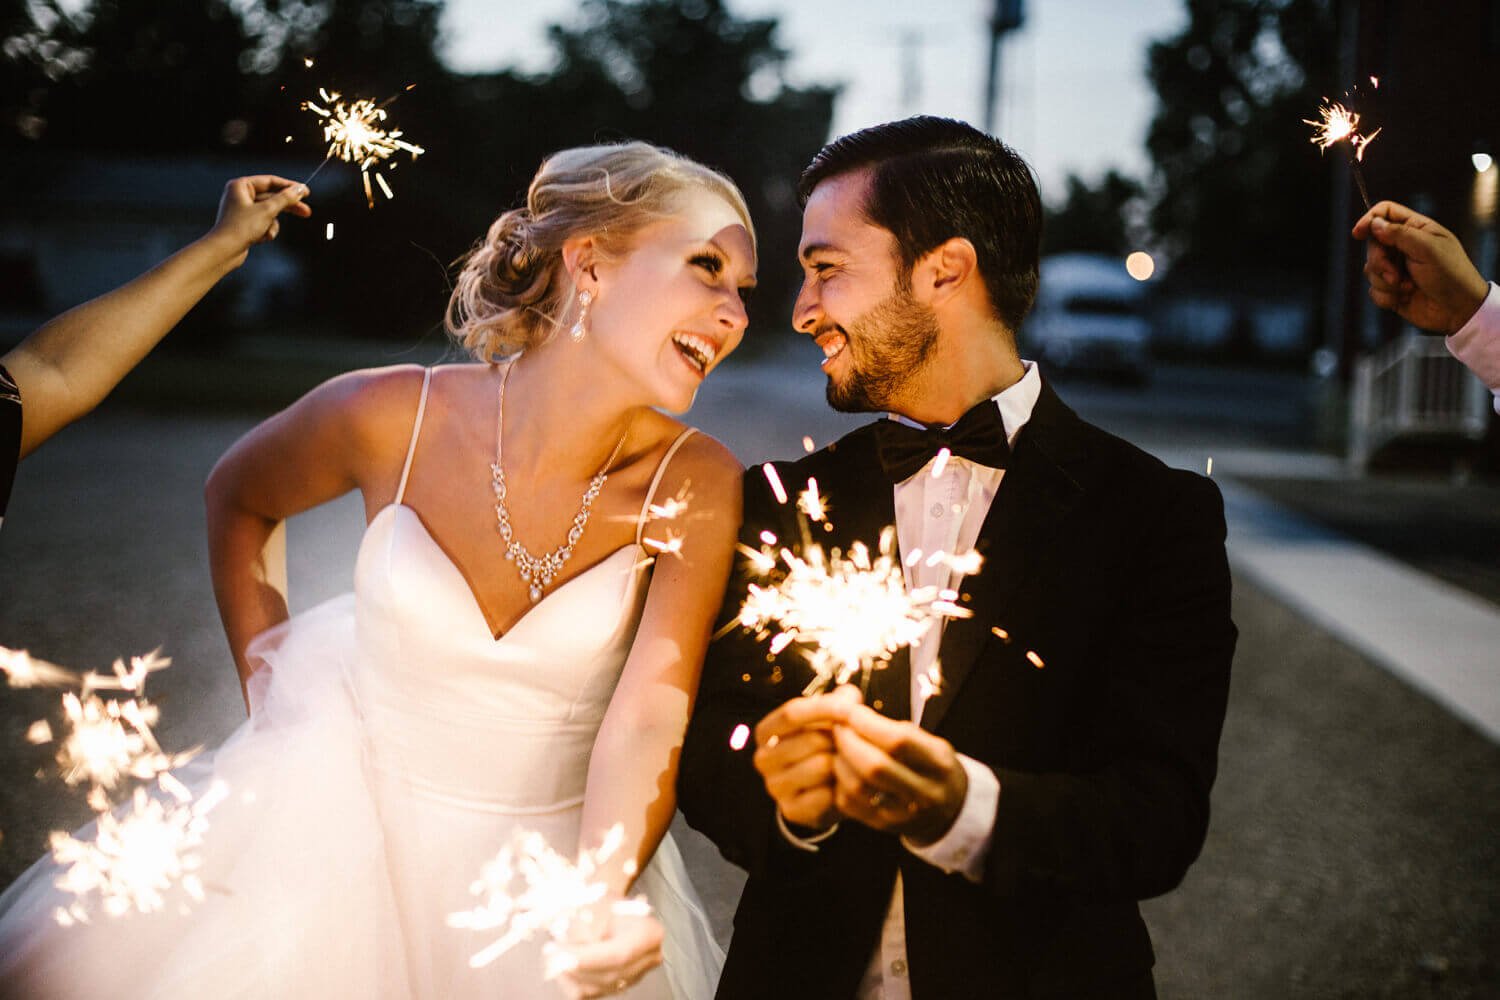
(942, 513)
(1477, 342)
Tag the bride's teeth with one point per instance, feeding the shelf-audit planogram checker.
(700, 352)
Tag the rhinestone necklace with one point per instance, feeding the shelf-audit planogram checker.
(538, 571)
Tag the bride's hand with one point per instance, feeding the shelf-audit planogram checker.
(629, 948)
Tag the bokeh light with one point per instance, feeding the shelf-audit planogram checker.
(1140, 266)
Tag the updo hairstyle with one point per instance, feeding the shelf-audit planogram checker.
(513, 290)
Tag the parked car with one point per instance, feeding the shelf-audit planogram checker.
(1089, 318)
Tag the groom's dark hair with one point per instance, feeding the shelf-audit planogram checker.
(936, 178)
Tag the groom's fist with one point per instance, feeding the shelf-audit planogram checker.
(897, 777)
(794, 755)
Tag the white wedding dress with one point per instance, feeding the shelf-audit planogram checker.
(394, 746)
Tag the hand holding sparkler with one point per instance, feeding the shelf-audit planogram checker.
(895, 776)
(528, 888)
(795, 755)
(1434, 286)
(249, 211)
(630, 948)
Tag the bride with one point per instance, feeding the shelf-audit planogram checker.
(531, 605)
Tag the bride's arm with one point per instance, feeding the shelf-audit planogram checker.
(633, 772)
(327, 443)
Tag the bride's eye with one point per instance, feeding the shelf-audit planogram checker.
(713, 265)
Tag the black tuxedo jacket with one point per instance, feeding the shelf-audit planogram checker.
(1108, 565)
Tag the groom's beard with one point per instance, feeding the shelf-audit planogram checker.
(888, 346)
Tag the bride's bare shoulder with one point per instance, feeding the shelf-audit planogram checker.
(702, 467)
(375, 404)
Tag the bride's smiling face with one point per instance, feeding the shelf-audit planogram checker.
(673, 308)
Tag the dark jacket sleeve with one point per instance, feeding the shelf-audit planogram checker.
(718, 789)
(1130, 828)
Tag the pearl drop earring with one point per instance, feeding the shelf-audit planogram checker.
(579, 328)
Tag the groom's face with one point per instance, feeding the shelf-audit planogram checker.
(856, 300)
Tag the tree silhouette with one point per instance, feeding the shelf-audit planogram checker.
(1232, 158)
(1102, 219)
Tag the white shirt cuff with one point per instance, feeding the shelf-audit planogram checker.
(967, 843)
(809, 844)
(1477, 342)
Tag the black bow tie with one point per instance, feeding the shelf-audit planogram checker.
(978, 436)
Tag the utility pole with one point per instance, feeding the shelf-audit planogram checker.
(1008, 16)
(911, 71)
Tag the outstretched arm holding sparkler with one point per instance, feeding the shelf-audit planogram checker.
(64, 369)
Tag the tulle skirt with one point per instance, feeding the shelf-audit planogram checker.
(322, 877)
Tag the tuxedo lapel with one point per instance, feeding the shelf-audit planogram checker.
(1038, 491)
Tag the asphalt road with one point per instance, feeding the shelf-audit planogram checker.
(1353, 850)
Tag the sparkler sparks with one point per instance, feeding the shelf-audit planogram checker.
(355, 134)
(1338, 124)
(529, 888)
(136, 859)
(21, 670)
(850, 612)
(145, 850)
(108, 740)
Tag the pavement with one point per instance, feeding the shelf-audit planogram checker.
(1353, 850)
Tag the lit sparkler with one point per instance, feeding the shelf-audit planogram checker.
(143, 850)
(528, 888)
(110, 739)
(355, 133)
(850, 611)
(1338, 124)
(137, 858)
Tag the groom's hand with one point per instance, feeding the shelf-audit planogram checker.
(795, 752)
(897, 777)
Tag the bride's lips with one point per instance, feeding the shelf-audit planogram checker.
(832, 344)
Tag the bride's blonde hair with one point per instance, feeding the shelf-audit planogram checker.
(513, 289)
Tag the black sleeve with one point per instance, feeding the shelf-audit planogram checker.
(1131, 829)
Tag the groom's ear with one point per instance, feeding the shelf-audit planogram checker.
(949, 269)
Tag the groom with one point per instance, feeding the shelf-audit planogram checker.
(987, 835)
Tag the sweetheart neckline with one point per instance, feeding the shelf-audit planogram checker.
(468, 588)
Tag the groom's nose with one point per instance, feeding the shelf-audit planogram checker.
(806, 310)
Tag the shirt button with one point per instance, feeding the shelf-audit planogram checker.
(898, 967)
(937, 510)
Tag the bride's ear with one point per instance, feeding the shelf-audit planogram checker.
(580, 258)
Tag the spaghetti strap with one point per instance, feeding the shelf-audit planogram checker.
(416, 429)
(661, 467)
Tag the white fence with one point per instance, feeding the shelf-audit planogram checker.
(1413, 386)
